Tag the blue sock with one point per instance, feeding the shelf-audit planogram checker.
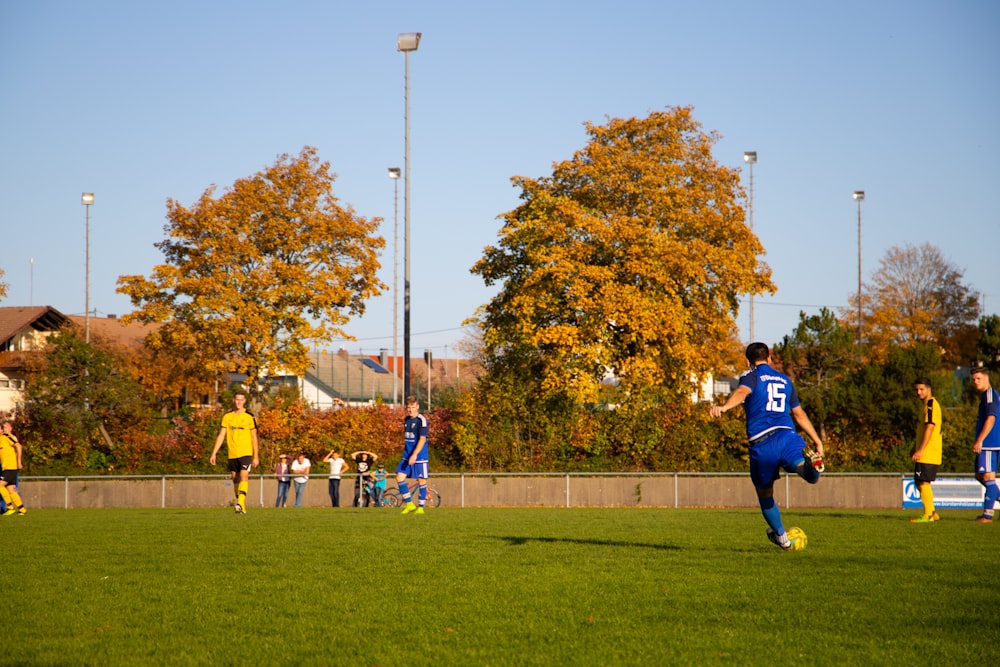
(992, 493)
(423, 495)
(772, 515)
(405, 490)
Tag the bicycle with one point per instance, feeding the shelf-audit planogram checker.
(390, 497)
(393, 498)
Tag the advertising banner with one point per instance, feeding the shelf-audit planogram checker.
(949, 493)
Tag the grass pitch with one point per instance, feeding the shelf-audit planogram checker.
(493, 587)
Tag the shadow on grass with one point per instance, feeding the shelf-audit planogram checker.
(521, 541)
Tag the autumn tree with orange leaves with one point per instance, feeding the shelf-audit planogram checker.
(916, 296)
(627, 262)
(252, 275)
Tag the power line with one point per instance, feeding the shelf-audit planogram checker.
(420, 333)
(797, 305)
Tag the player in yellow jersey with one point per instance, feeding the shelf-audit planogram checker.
(239, 432)
(10, 462)
(926, 453)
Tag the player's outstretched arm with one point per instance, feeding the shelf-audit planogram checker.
(802, 419)
(735, 398)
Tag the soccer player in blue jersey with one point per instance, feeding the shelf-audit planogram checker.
(987, 443)
(771, 405)
(413, 464)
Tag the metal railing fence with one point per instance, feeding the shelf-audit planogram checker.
(482, 489)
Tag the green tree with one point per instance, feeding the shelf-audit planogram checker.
(80, 399)
(256, 273)
(627, 261)
(818, 355)
(876, 410)
(988, 345)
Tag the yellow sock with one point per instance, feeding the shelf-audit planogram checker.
(241, 493)
(5, 494)
(16, 497)
(927, 498)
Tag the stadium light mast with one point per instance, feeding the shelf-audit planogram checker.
(87, 199)
(859, 196)
(407, 42)
(394, 173)
(750, 157)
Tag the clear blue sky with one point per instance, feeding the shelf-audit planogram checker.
(141, 101)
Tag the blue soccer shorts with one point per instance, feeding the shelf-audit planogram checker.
(416, 471)
(783, 450)
(987, 460)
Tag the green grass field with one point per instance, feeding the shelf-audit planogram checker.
(494, 587)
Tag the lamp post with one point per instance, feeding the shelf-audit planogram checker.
(87, 198)
(407, 42)
(859, 196)
(394, 174)
(750, 157)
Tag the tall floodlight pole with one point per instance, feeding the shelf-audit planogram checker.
(859, 196)
(407, 42)
(394, 173)
(87, 198)
(750, 157)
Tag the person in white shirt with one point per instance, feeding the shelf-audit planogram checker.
(338, 466)
(300, 468)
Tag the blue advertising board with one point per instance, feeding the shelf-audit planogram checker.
(949, 493)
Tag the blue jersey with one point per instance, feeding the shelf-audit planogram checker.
(989, 405)
(413, 428)
(770, 402)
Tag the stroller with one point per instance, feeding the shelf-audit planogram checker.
(372, 493)
(367, 493)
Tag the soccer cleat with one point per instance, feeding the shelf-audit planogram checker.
(10, 511)
(239, 508)
(815, 460)
(772, 535)
(22, 511)
(420, 510)
(926, 519)
(982, 518)
(410, 507)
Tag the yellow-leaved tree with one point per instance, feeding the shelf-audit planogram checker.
(255, 274)
(625, 265)
(917, 296)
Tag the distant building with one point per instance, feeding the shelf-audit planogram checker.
(23, 332)
(332, 380)
(339, 378)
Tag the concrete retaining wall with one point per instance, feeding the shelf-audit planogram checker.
(846, 491)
